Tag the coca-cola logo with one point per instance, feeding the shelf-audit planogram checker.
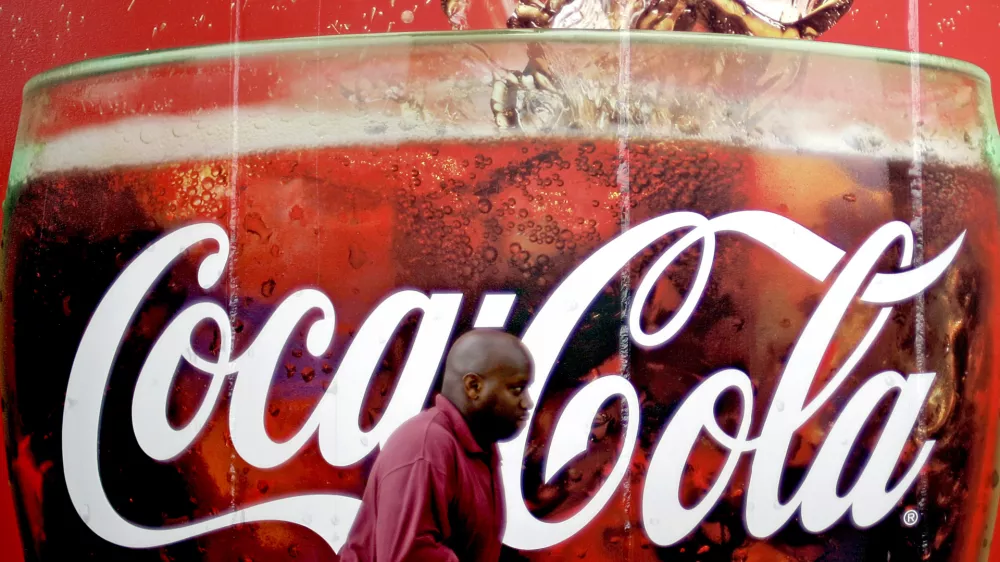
(341, 441)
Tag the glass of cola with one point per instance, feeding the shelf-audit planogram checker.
(760, 281)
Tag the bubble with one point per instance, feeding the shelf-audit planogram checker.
(356, 257)
(267, 288)
(515, 248)
(485, 206)
(523, 213)
(489, 254)
(406, 16)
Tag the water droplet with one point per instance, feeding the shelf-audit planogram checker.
(357, 257)
(267, 288)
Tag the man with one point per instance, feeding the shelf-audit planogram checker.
(434, 493)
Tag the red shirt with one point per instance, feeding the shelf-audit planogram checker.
(433, 495)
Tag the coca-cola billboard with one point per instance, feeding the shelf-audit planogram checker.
(755, 278)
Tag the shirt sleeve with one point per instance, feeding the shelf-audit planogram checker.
(412, 522)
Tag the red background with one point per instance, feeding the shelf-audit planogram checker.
(41, 34)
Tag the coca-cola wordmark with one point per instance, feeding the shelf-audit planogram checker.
(334, 421)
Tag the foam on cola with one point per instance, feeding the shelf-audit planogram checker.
(164, 139)
(700, 441)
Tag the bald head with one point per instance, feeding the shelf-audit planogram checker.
(486, 375)
(481, 351)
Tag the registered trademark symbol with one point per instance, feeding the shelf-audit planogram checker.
(910, 517)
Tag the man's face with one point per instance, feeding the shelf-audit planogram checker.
(505, 401)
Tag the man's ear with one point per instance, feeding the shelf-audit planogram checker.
(473, 384)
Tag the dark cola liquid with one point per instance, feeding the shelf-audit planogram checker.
(360, 223)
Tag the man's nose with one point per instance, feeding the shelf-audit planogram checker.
(526, 402)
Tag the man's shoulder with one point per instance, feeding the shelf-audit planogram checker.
(429, 426)
(422, 437)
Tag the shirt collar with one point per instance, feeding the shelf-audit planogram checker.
(458, 425)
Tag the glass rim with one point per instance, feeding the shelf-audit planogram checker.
(220, 51)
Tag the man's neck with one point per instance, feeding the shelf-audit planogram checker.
(475, 427)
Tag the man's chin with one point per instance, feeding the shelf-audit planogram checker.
(512, 432)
